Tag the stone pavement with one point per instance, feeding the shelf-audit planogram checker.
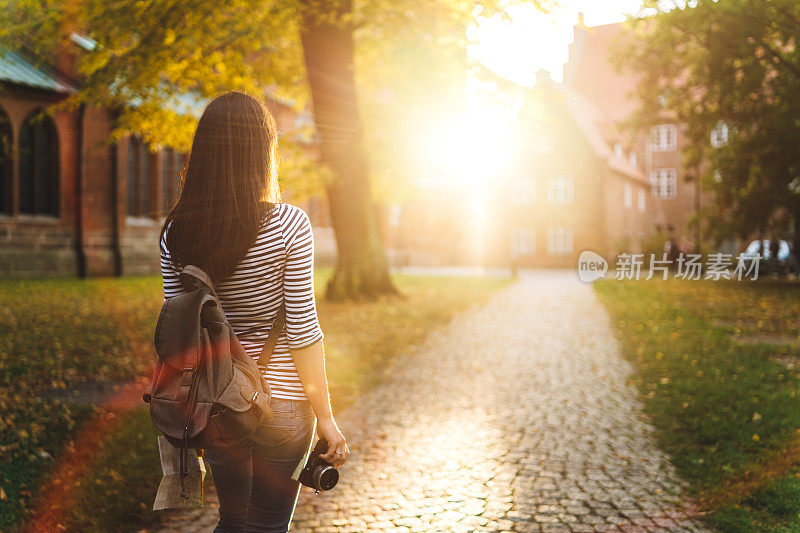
(516, 416)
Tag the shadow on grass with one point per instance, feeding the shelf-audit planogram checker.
(55, 335)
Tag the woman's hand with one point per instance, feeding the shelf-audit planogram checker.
(310, 365)
(338, 452)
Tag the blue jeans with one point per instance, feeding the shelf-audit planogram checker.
(253, 481)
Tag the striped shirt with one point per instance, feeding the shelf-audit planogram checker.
(279, 266)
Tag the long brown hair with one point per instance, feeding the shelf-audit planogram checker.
(229, 186)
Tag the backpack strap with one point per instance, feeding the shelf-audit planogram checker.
(198, 274)
(278, 326)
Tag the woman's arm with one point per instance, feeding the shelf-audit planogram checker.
(303, 332)
(310, 364)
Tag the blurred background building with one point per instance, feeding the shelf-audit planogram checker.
(676, 197)
(577, 185)
(76, 203)
(73, 201)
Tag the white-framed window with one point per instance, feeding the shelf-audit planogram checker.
(664, 182)
(663, 138)
(632, 159)
(523, 241)
(642, 201)
(627, 195)
(560, 190)
(719, 135)
(523, 192)
(618, 151)
(559, 240)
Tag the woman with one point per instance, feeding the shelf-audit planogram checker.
(259, 254)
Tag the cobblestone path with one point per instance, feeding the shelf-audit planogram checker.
(514, 417)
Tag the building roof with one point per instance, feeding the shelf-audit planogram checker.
(597, 127)
(186, 103)
(16, 69)
(599, 130)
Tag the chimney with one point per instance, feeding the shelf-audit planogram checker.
(580, 20)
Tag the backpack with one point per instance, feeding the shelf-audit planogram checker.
(206, 392)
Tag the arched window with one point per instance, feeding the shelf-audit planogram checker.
(38, 166)
(138, 178)
(6, 151)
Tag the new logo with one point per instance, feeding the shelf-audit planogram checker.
(591, 266)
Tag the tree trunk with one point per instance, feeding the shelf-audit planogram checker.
(361, 267)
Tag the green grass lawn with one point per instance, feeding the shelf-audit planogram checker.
(706, 357)
(57, 334)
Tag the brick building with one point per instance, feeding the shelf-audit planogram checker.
(440, 226)
(575, 187)
(573, 184)
(71, 201)
(676, 197)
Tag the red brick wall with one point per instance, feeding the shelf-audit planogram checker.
(570, 156)
(591, 73)
(674, 213)
(40, 245)
(98, 193)
(45, 246)
(436, 228)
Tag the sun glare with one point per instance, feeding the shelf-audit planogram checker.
(470, 148)
(517, 46)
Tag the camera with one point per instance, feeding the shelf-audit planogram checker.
(318, 473)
